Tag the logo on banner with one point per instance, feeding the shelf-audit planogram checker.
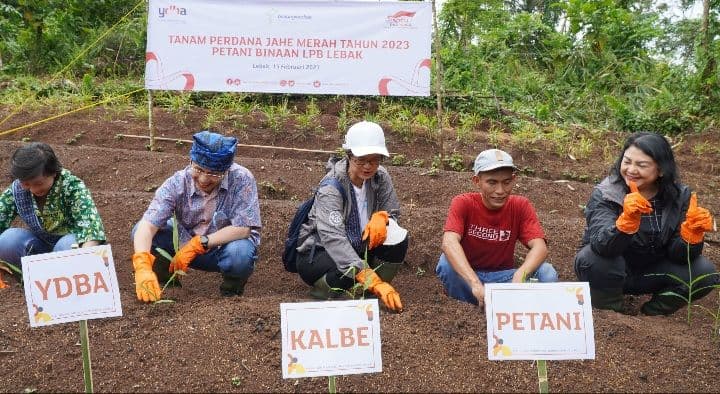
(275, 16)
(400, 19)
(171, 10)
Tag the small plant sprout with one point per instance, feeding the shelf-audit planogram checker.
(715, 316)
(164, 253)
(690, 285)
(10, 269)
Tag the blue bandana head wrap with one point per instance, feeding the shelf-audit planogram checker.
(213, 151)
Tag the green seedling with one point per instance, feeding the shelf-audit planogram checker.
(11, 269)
(164, 253)
(690, 285)
(715, 316)
(236, 381)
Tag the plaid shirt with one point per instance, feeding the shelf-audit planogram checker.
(237, 204)
(69, 209)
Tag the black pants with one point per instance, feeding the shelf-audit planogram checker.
(615, 273)
(313, 265)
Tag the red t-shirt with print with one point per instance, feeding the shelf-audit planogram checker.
(489, 236)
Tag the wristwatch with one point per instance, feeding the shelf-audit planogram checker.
(204, 241)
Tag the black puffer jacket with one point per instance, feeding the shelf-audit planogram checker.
(603, 209)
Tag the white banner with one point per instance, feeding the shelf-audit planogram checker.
(539, 321)
(68, 286)
(308, 47)
(330, 338)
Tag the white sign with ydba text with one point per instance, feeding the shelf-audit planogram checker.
(78, 284)
(539, 321)
(330, 338)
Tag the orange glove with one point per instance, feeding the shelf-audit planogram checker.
(187, 254)
(633, 207)
(697, 221)
(383, 290)
(146, 282)
(376, 229)
(2, 284)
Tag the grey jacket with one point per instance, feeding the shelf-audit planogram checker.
(326, 221)
(603, 209)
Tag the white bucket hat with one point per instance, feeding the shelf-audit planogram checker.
(365, 138)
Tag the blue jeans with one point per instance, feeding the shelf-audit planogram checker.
(236, 258)
(16, 243)
(457, 288)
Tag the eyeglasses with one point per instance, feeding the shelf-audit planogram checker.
(374, 162)
(199, 171)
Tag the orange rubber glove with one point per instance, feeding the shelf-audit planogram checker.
(697, 221)
(383, 290)
(147, 287)
(187, 254)
(2, 284)
(376, 229)
(633, 207)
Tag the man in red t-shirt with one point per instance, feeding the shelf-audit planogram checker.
(481, 230)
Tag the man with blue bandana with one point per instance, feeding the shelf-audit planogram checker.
(215, 203)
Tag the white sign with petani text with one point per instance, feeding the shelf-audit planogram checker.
(539, 321)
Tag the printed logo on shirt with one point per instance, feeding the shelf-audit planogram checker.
(488, 234)
(335, 218)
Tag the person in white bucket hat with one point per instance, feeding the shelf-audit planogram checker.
(481, 231)
(355, 214)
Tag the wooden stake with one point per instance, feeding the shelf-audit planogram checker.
(438, 86)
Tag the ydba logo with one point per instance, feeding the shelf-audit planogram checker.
(400, 19)
(172, 10)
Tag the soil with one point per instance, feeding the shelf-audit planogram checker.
(207, 343)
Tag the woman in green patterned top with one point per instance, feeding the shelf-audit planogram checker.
(54, 204)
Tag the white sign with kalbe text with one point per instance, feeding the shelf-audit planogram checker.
(330, 338)
(78, 284)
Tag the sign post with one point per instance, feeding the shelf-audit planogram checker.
(330, 338)
(74, 285)
(539, 321)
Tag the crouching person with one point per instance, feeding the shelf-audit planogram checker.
(481, 231)
(54, 204)
(645, 231)
(215, 203)
(354, 215)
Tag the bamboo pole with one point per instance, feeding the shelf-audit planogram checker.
(438, 85)
(150, 120)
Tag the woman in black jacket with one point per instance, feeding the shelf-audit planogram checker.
(641, 221)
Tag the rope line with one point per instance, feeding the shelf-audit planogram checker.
(87, 48)
(68, 113)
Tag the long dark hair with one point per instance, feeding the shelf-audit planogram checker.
(659, 149)
(34, 159)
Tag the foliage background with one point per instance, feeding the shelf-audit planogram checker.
(537, 67)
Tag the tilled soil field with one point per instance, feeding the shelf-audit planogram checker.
(207, 343)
